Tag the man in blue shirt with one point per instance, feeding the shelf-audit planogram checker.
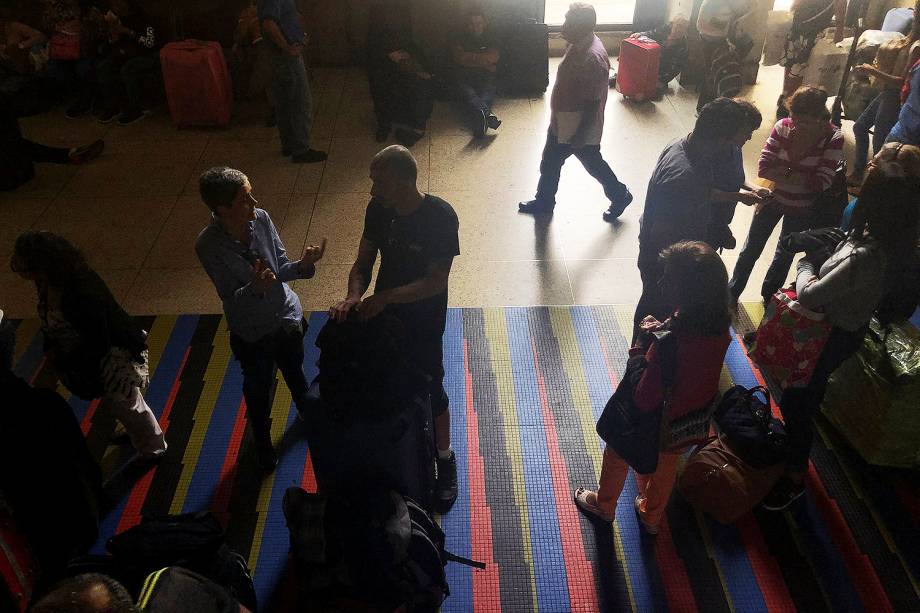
(242, 253)
(281, 28)
(907, 130)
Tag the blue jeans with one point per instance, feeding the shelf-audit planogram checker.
(882, 113)
(476, 90)
(555, 155)
(78, 76)
(761, 228)
(293, 103)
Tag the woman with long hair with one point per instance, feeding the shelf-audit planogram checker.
(801, 158)
(694, 284)
(95, 347)
(849, 287)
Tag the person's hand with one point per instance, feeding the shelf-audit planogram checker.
(313, 254)
(864, 69)
(339, 312)
(263, 277)
(749, 198)
(764, 193)
(650, 324)
(371, 306)
(399, 56)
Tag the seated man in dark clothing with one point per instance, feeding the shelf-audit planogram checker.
(475, 59)
(400, 84)
(47, 476)
(131, 56)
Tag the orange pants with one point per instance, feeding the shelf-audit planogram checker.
(654, 489)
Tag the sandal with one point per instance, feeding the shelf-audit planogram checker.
(591, 510)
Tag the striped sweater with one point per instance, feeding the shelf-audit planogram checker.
(818, 164)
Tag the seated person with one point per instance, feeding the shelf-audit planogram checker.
(75, 30)
(18, 154)
(129, 56)
(475, 58)
(400, 84)
(672, 38)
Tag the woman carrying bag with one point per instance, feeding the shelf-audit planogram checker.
(867, 268)
(664, 401)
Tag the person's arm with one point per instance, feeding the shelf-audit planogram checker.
(814, 292)
(432, 284)
(287, 270)
(359, 279)
(770, 167)
(649, 393)
(28, 36)
(591, 93)
(271, 29)
(748, 198)
(887, 79)
(235, 280)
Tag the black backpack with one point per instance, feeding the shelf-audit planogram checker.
(751, 431)
(382, 548)
(365, 365)
(194, 541)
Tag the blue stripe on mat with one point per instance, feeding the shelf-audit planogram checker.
(549, 567)
(456, 523)
(273, 554)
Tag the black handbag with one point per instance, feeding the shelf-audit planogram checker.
(635, 434)
(750, 428)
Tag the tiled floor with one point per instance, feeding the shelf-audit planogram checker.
(136, 212)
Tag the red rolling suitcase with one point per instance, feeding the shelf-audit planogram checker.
(637, 74)
(198, 87)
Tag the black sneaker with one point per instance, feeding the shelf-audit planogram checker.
(310, 156)
(494, 122)
(616, 208)
(87, 153)
(535, 207)
(446, 487)
(480, 124)
(129, 117)
(783, 494)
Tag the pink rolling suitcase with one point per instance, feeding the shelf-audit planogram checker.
(197, 81)
(637, 74)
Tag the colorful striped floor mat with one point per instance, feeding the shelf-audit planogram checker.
(526, 386)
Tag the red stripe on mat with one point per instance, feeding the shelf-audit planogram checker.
(308, 483)
(677, 587)
(87, 422)
(131, 516)
(220, 504)
(579, 574)
(769, 577)
(860, 568)
(486, 587)
(37, 372)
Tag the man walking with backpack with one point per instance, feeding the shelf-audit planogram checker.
(416, 235)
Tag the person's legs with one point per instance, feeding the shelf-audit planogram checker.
(139, 421)
(652, 301)
(614, 471)
(419, 103)
(888, 110)
(109, 87)
(301, 108)
(861, 128)
(45, 154)
(288, 355)
(554, 156)
(258, 378)
(283, 85)
(782, 259)
(655, 489)
(473, 106)
(133, 74)
(590, 157)
(765, 219)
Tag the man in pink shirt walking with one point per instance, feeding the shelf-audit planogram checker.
(577, 116)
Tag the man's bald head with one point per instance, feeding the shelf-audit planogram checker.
(396, 162)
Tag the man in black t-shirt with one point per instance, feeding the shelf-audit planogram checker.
(416, 235)
(475, 58)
